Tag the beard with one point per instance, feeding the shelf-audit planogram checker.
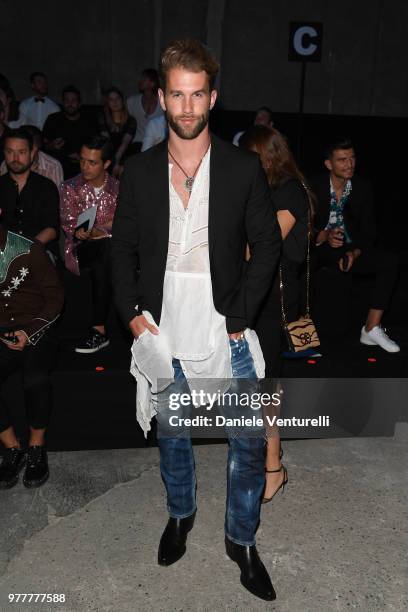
(188, 132)
(71, 111)
(17, 167)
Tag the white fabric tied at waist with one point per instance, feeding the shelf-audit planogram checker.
(152, 367)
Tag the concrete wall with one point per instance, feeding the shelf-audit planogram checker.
(96, 43)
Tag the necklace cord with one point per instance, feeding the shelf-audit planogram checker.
(181, 167)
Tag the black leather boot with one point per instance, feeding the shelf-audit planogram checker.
(173, 541)
(13, 460)
(36, 472)
(254, 576)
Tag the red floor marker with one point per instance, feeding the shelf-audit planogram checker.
(99, 368)
(372, 359)
(311, 361)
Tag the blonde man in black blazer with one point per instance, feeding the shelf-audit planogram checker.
(220, 198)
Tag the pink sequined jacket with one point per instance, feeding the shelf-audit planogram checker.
(76, 196)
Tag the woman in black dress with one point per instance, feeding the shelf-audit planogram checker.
(116, 123)
(292, 199)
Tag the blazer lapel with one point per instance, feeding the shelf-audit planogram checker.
(159, 190)
(216, 190)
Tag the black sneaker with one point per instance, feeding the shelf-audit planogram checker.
(13, 460)
(36, 472)
(94, 342)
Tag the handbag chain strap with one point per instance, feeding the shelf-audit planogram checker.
(284, 321)
(307, 313)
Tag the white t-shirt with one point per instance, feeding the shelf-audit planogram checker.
(156, 131)
(235, 140)
(135, 107)
(98, 190)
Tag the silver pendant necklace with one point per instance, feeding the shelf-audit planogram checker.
(189, 182)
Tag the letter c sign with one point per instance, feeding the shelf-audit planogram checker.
(305, 42)
(302, 40)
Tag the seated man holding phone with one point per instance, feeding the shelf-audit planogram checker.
(31, 298)
(345, 235)
(88, 203)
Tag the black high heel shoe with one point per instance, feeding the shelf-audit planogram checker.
(265, 500)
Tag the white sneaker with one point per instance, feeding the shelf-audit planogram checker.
(378, 336)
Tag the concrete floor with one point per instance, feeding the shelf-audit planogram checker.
(336, 540)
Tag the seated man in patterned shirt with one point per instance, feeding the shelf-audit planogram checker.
(346, 236)
(31, 298)
(90, 250)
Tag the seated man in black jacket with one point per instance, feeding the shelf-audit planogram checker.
(30, 202)
(31, 299)
(345, 226)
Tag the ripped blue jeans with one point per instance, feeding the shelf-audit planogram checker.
(246, 458)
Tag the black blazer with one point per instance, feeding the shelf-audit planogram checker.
(358, 211)
(240, 211)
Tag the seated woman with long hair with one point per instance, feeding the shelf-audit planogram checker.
(116, 123)
(293, 201)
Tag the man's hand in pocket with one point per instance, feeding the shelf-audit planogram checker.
(139, 324)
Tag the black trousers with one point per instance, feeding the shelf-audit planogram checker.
(381, 265)
(93, 255)
(269, 326)
(35, 363)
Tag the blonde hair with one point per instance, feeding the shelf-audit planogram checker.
(191, 55)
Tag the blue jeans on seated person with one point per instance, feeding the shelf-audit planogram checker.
(246, 456)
